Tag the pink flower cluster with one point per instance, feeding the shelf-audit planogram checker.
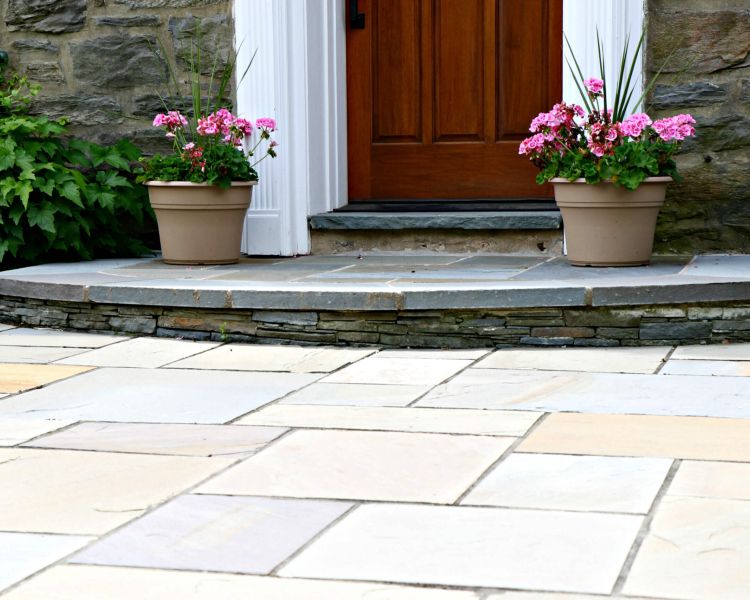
(603, 138)
(195, 155)
(675, 128)
(266, 123)
(594, 85)
(222, 122)
(561, 115)
(635, 125)
(172, 120)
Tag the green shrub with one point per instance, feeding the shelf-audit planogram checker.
(63, 198)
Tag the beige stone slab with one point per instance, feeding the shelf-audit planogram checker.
(642, 435)
(356, 394)
(55, 338)
(583, 483)
(39, 355)
(409, 371)
(425, 420)
(295, 359)
(16, 378)
(721, 368)
(17, 430)
(65, 491)
(84, 582)
(553, 596)
(367, 465)
(696, 549)
(146, 352)
(707, 479)
(168, 438)
(432, 354)
(713, 352)
(473, 547)
(595, 360)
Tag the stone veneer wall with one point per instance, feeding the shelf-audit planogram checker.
(467, 328)
(99, 62)
(705, 47)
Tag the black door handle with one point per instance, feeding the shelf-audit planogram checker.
(356, 18)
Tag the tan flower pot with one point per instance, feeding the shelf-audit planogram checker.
(609, 226)
(200, 224)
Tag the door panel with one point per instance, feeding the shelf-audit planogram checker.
(440, 92)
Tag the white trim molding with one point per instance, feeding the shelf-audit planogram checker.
(298, 77)
(615, 20)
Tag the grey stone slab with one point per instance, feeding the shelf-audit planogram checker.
(611, 393)
(54, 338)
(713, 352)
(91, 582)
(477, 547)
(92, 266)
(431, 354)
(155, 395)
(729, 266)
(561, 269)
(414, 274)
(160, 438)
(216, 533)
(437, 220)
(161, 292)
(356, 394)
(31, 354)
(485, 297)
(583, 483)
(23, 554)
(682, 290)
(5, 327)
(143, 352)
(499, 261)
(405, 371)
(723, 368)
(304, 298)
(44, 291)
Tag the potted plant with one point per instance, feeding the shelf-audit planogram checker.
(609, 169)
(201, 191)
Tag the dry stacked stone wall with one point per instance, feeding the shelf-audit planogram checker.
(704, 49)
(102, 62)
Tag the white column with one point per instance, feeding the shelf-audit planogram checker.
(297, 77)
(615, 19)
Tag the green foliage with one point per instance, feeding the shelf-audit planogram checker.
(60, 197)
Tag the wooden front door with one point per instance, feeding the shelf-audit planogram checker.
(440, 92)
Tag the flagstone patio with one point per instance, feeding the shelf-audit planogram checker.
(140, 467)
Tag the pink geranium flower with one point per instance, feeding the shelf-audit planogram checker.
(675, 128)
(266, 123)
(594, 85)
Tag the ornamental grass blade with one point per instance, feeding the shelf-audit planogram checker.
(579, 77)
(617, 108)
(628, 90)
(602, 70)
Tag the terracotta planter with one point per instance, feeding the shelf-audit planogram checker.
(609, 226)
(200, 224)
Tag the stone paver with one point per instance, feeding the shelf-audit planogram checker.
(426, 420)
(635, 435)
(274, 358)
(16, 430)
(22, 554)
(492, 547)
(29, 354)
(594, 393)
(724, 368)
(156, 395)
(357, 394)
(16, 378)
(417, 467)
(5, 327)
(22, 336)
(713, 352)
(584, 483)
(696, 549)
(595, 360)
(84, 582)
(65, 491)
(158, 438)
(528, 474)
(410, 371)
(712, 480)
(216, 533)
(140, 352)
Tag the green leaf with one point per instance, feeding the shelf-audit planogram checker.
(72, 192)
(23, 189)
(42, 216)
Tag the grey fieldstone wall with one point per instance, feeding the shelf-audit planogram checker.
(101, 62)
(591, 326)
(704, 49)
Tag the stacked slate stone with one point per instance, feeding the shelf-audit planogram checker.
(101, 62)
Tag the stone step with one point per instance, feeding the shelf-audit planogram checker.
(519, 232)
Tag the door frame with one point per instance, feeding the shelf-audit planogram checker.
(299, 77)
